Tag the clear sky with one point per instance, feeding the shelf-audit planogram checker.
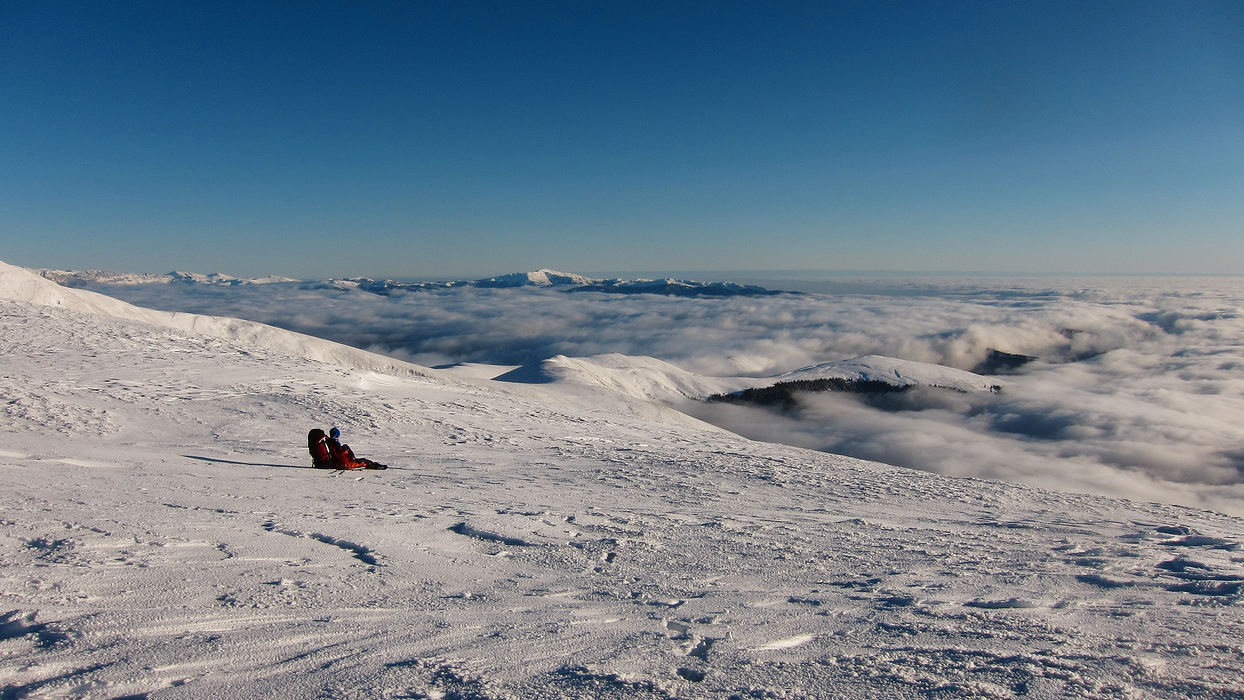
(450, 139)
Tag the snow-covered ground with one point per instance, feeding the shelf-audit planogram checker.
(164, 537)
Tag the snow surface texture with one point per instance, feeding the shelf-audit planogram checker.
(162, 537)
(1138, 390)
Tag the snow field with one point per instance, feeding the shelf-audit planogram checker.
(162, 537)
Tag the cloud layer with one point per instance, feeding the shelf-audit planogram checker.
(1138, 392)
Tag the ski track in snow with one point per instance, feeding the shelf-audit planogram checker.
(529, 547)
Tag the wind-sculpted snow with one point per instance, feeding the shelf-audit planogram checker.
(525, 546)
(1138, 389)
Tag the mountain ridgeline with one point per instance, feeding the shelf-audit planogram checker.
(563, 281)
(573, 283)
(868, 376)
(782, 394)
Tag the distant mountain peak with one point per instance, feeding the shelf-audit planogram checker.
(543, 277)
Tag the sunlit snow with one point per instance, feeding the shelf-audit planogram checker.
(165, 536)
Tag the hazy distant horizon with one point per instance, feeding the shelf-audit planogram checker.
(706, 275)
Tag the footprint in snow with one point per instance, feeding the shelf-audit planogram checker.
(361, 552)
(51, 550)
(15, 625)
(692, 674)
(469, 531)
(702, 648)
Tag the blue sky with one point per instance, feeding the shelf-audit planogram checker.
(476, 138)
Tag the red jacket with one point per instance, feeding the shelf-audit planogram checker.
(327, 453)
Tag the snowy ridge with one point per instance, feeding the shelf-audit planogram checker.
(19, 284)
(79, 278)
(639, 377)
(567, 282)
(217, 278)
(544, 277)
(676, 287)
(655, 380)
(895, 372)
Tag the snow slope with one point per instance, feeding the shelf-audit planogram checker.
(19, 284)
(161, 537)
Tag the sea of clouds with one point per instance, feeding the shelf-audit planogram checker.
(1138, 391)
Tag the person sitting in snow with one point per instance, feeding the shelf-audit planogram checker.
(328, 453)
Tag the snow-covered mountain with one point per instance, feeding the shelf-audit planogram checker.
(163, 536)
(540, 278)
(81, 278)
(639, 377)
(870, 374)
(572, 283)
(655, 380)
(678, 288)
(895, 372)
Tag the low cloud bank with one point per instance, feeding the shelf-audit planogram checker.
(730, 336)
(1138, 390)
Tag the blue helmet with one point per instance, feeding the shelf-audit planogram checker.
(334, 433)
